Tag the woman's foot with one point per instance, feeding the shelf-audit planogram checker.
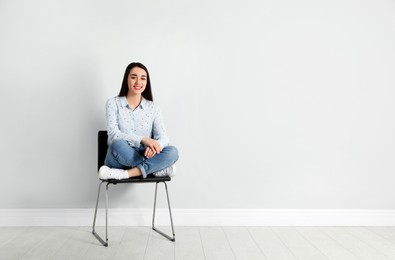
(106, 173)
(169, 171)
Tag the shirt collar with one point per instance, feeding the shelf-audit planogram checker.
(125, 103)
(143, 103)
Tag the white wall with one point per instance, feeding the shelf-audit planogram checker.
(272, 104)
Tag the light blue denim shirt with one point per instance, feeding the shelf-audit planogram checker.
(132, 125)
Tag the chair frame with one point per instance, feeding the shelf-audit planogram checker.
(157, 180)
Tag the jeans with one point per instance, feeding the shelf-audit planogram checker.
(121, 155)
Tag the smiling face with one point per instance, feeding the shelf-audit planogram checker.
(137, 80)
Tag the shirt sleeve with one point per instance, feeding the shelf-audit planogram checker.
(113, 131)
(159, 130)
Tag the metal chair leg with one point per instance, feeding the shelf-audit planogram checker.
(171, 218)
(94, 219)
(97, 203)
(107, 213)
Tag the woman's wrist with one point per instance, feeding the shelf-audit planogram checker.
(144, 140)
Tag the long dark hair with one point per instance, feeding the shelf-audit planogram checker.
(147, 93)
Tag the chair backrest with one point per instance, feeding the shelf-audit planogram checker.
(102, 148)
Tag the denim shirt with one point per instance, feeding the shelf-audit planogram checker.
(132, 125)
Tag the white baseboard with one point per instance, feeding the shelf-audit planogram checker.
(199, 217)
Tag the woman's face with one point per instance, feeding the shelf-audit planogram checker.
(137, 81)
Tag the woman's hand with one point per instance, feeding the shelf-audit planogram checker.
(149, 153)
(153, 147)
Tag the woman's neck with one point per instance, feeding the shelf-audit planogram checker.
(134, 101)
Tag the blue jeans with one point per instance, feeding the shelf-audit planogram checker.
(121, 155)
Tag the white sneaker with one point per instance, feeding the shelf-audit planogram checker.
(169, 171)
(106, 173)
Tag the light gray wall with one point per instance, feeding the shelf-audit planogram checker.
(272, 104)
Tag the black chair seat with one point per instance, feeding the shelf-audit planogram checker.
(150, 178)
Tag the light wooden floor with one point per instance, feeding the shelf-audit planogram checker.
(222, 243)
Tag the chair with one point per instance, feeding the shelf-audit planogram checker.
(102, 150)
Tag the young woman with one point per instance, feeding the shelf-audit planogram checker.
(137, 138)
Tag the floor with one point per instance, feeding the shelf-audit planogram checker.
(222, 243)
